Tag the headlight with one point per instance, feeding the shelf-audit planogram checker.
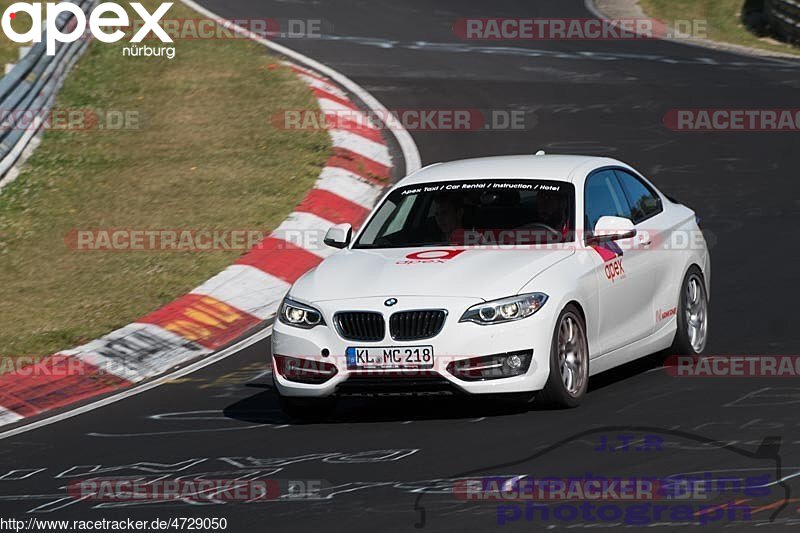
(299, 315)
(505, 310)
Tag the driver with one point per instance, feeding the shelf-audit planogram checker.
(448, 211)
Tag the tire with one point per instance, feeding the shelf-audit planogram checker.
(689, 323)
(561, 391)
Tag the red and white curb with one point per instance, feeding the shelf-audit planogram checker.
(235, 301)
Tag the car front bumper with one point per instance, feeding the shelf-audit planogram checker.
(455, 342)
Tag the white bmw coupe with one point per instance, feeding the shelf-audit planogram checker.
(515, 275)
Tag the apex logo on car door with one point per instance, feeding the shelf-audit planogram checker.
(624, 270)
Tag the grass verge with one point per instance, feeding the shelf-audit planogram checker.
(724, 21)
(197, 150)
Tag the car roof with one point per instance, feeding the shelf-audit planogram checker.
(540, 167)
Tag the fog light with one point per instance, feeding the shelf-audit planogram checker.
(503, 365)
(303, 370)
(514, 362)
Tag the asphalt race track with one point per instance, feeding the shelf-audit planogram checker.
(380, 459)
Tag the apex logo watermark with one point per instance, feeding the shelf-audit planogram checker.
(99, 23)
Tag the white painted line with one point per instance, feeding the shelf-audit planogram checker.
(410, 152)
(246, 288)
(20, 474)
(133, 391)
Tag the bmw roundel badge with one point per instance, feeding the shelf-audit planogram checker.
(390, 302)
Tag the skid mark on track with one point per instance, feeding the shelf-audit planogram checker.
(768, 396)
(187, 416)
(197, 468)
(177, 432)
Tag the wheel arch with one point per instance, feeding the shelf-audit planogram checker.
(706, 276)
(578, 305)
(589, 331)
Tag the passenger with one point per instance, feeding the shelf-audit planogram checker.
(552, 210)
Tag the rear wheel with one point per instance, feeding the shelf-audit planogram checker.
(692, 315)
(569, 362)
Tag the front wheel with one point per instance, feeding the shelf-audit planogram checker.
(692, 315)
(569, 362)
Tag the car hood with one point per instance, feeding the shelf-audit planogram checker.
(471, 272)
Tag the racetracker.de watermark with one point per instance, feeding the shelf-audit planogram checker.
(428, 120)
(576, 29)
(554, 489)
(733, 366)
(706, 120)
(244, 239)
(163, 240)
(57, 366)
(590, 487)
(211, 29)
(69, 119)
(140, 489)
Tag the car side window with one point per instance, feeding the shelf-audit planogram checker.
(644, 202)
(604, 197)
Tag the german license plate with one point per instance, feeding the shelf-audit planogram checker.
(390, 357)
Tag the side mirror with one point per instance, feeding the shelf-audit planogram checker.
(339, 236)
(612, 229)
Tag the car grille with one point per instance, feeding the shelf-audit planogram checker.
(360, 325)
(416, 325)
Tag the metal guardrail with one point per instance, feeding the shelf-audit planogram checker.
(783, 18)
(28, 91)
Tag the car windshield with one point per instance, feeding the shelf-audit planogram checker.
(473, 213)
